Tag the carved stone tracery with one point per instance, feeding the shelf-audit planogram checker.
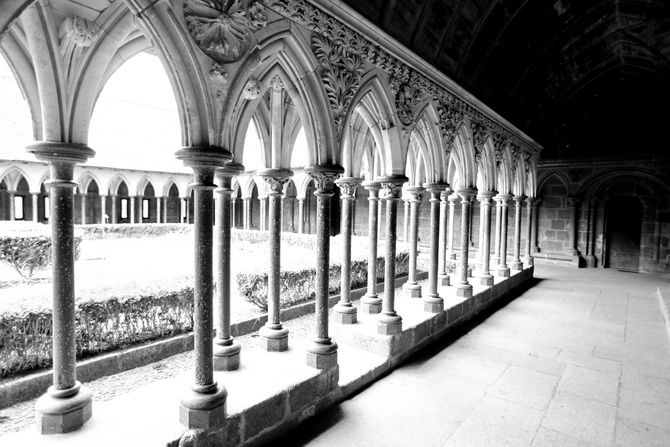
(479, 137)
(406, 100)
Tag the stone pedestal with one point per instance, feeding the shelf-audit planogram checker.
(432, 301)
(344, 311)
(411, 287)
(389, 322)
(273, 336)
(463, 288)
(371, 303)
(322, 353)
(67, 404)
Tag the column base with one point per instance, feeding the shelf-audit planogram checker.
(204, 409)
(322, 354)
(273, 340)
(226, 356)
(503, 272)
(452, 255)
(590, 261)
(464, 290)
(412, 289)
(517, 265)
(528, 260)
(486, 280)
(433, 303)
(443, 280)
(389, 324)
(63, 411)
(344, 314)
(371, 304)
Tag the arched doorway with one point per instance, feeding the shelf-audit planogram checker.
(623, 233)
(172, 205)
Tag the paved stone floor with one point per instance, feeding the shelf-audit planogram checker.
(581, 359)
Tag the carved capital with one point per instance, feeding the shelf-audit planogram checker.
(467, 194)
(78, 32)
(392, 185)
(275, 179)
(348, 186)
(414, 192)
(224, 176)
(324, 176)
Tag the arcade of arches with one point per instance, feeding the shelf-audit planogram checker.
(355, 135)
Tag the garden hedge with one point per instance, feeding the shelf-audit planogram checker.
(118, 231)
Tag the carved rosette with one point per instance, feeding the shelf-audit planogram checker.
(223, 28)
(406, 100)
(341, 73)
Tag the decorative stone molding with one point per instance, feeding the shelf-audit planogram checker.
(252, 89)
(223, 30)
(75, 31)
(450, 118)
(406, 100)
(324, 176)
(348, 187)
(341, 73)
(479, 137)
(275, 179)
(392, 185)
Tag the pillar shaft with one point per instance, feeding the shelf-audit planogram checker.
(35, 197)
(433, 302)
(83, 208)
(485, 212)
(301, 216)
(518, 208)
(132, 210)
(444, 222)
(407, 219)
(371, 303)
(158, 210)
(411, 286)
(572, 242)
(12, 205)
(344, 311)
(503, 270)
(498, 230)
(450, 229)
(464, 288)
(103, 209)
(529, 230)
(533, 234)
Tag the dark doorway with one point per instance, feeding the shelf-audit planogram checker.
(624, 228)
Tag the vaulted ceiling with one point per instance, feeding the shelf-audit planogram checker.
(585, 78)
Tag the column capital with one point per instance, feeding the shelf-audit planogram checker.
(224, 176)
(572, 201)
(436, 187)
(392, 185)
(56, 151)
(486, 195)
(348, 186)
(467, 194)
(444, 195)
(324, 176)
(371, 185)
(531, 201)
(275, 179)
(414, 192)
(519, 199)
(212, 157)
(503, 199)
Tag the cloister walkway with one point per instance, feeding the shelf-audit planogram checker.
(581, 359)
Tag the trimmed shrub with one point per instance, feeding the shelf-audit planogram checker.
(119, 231)
(102, 324)
(27, 247)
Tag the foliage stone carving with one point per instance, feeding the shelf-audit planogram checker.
(406, 100)
(222, 28)
(341, 73)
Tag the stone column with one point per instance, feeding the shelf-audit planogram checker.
(572, 243)
(529, 230)
(132, 210)
(103, 209)
(411, 287)
(344, 312)
(36, 210)
(226, 351)
(518, 205)
(67, 404)
(498, 229)
(433, 302)
(158, 210)
(389, 322)
(322, 353)
(83, 208)
(12, 205)
(464, 289)
(407, 212)
(371, 303)
(486, 279)
(165, 208)
(533, 234)
(503, 270)
(450, 231)
(480, 237)
(140, 215)
(301, 215)
(263, 224)
(115, 201)
(188, 209)
(380, 210)
(246, 213)
(274, 336)
(203, 406)
(656, 254)
(443, 276)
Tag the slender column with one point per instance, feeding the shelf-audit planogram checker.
(411, 287)
(140, 215)
(301, 215)
(656, 255)
(322, 353)
(103, 209)
(344, 312)
(263, 225)
(450, 231)
(371, 303)
(35, 196)
(486, 279)
(503, 270)
(533, 234)
(380, 210)
(433, 302)
(158, 210)
(389, 322)
(67, 404)
(281, 214)
(498, 229)
(132, 210)
(115, 201)
(203, 405)
(246, 213)
(529, 230)
(518, 206)
(166, 200)
(443, 276)
(480, 238)
(464, 289)
(407, 219)
(83, 208)
(273, 336)
(226, 350)
(12, 206)
(572, 243)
